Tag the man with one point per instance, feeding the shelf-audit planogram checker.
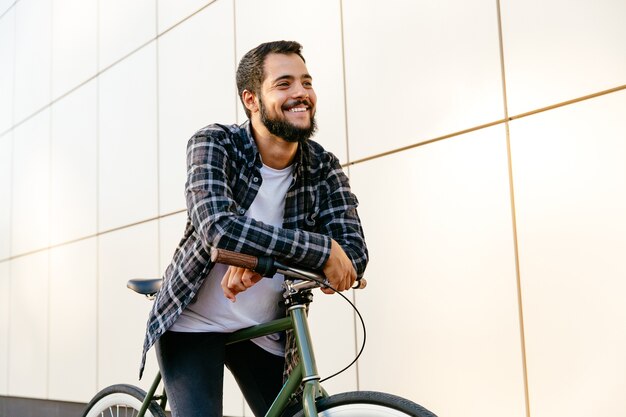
(262, 188)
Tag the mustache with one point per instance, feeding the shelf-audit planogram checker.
(293, 103)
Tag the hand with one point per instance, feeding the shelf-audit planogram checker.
(237, 280)
(338, 269)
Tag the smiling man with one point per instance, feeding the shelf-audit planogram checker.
(260, 188)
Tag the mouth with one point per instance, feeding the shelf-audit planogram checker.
(297, 107)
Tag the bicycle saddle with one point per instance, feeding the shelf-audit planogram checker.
(145, 286)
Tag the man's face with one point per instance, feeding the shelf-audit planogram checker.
(287, 99)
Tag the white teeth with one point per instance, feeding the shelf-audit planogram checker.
(297, 109)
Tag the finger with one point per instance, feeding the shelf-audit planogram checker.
(351, 279)
(227, 292)
(250, 278)
(234, 281)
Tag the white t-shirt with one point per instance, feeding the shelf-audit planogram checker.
(211, 311)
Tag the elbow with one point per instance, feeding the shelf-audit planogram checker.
(213, 232)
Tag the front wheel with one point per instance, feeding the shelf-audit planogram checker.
(120, 400)
(368, 404)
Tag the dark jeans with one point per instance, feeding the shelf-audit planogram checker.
(192, 366)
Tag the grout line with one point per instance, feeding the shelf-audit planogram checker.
(568, 102)
(345, 113)
(422, 143)
(97, 162)
(49, 192)
(11, 200)
(349, 163)
(235, 59)
(100, 72)
(486, 125)
(158, 133)
(104, 232)
(8, 344)
(10, 264)
(518, 279)
(343, 73)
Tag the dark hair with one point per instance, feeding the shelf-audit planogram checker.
(250, 72)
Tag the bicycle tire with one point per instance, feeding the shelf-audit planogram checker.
(121, 400)
(368, 404)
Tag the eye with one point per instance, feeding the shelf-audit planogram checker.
(308, 84)
(283, 84)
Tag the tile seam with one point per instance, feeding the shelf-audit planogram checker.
(347, 133)
(49, 191)
(94, 235)
(518, 279)
(101, 71)
(486, 125)
(350, 163)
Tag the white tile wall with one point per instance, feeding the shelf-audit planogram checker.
(319, 31)
(122, 313)
(124, 26)
(4, 325)
(433, 67)
(570, 182)
(74, 43)
(196, 88)
(28, 326)
(73, 165)
(331, 321)
(73, 294)
(171, 12)
(127, 145)
(30, 195)
(233, 403)
(32, 56)
(171, 230)
(441, 304)
(560, 50)
(7, 61)
(6, 164)
(419, 70)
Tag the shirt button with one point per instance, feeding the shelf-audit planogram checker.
(255, 179)
(241, 211)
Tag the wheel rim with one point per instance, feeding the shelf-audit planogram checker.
(362, 410)
(117, 405)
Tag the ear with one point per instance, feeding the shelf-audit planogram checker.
(249, 100)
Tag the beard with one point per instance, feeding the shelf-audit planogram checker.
(282, 128)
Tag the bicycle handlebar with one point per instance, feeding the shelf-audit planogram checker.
(267, 266)
(223, 256)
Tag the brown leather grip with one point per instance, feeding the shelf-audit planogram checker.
(361, 284)
(223, 256)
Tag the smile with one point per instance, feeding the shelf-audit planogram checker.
(298, 109)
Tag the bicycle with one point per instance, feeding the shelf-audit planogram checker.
(124, 399)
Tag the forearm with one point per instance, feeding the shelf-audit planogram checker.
(219, 225)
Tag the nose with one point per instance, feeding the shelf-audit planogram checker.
(300, 91)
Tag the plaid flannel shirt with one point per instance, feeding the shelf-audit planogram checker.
(223, 178)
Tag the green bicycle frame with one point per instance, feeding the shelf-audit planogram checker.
(305, 372)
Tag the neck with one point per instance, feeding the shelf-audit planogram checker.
(275, 151)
